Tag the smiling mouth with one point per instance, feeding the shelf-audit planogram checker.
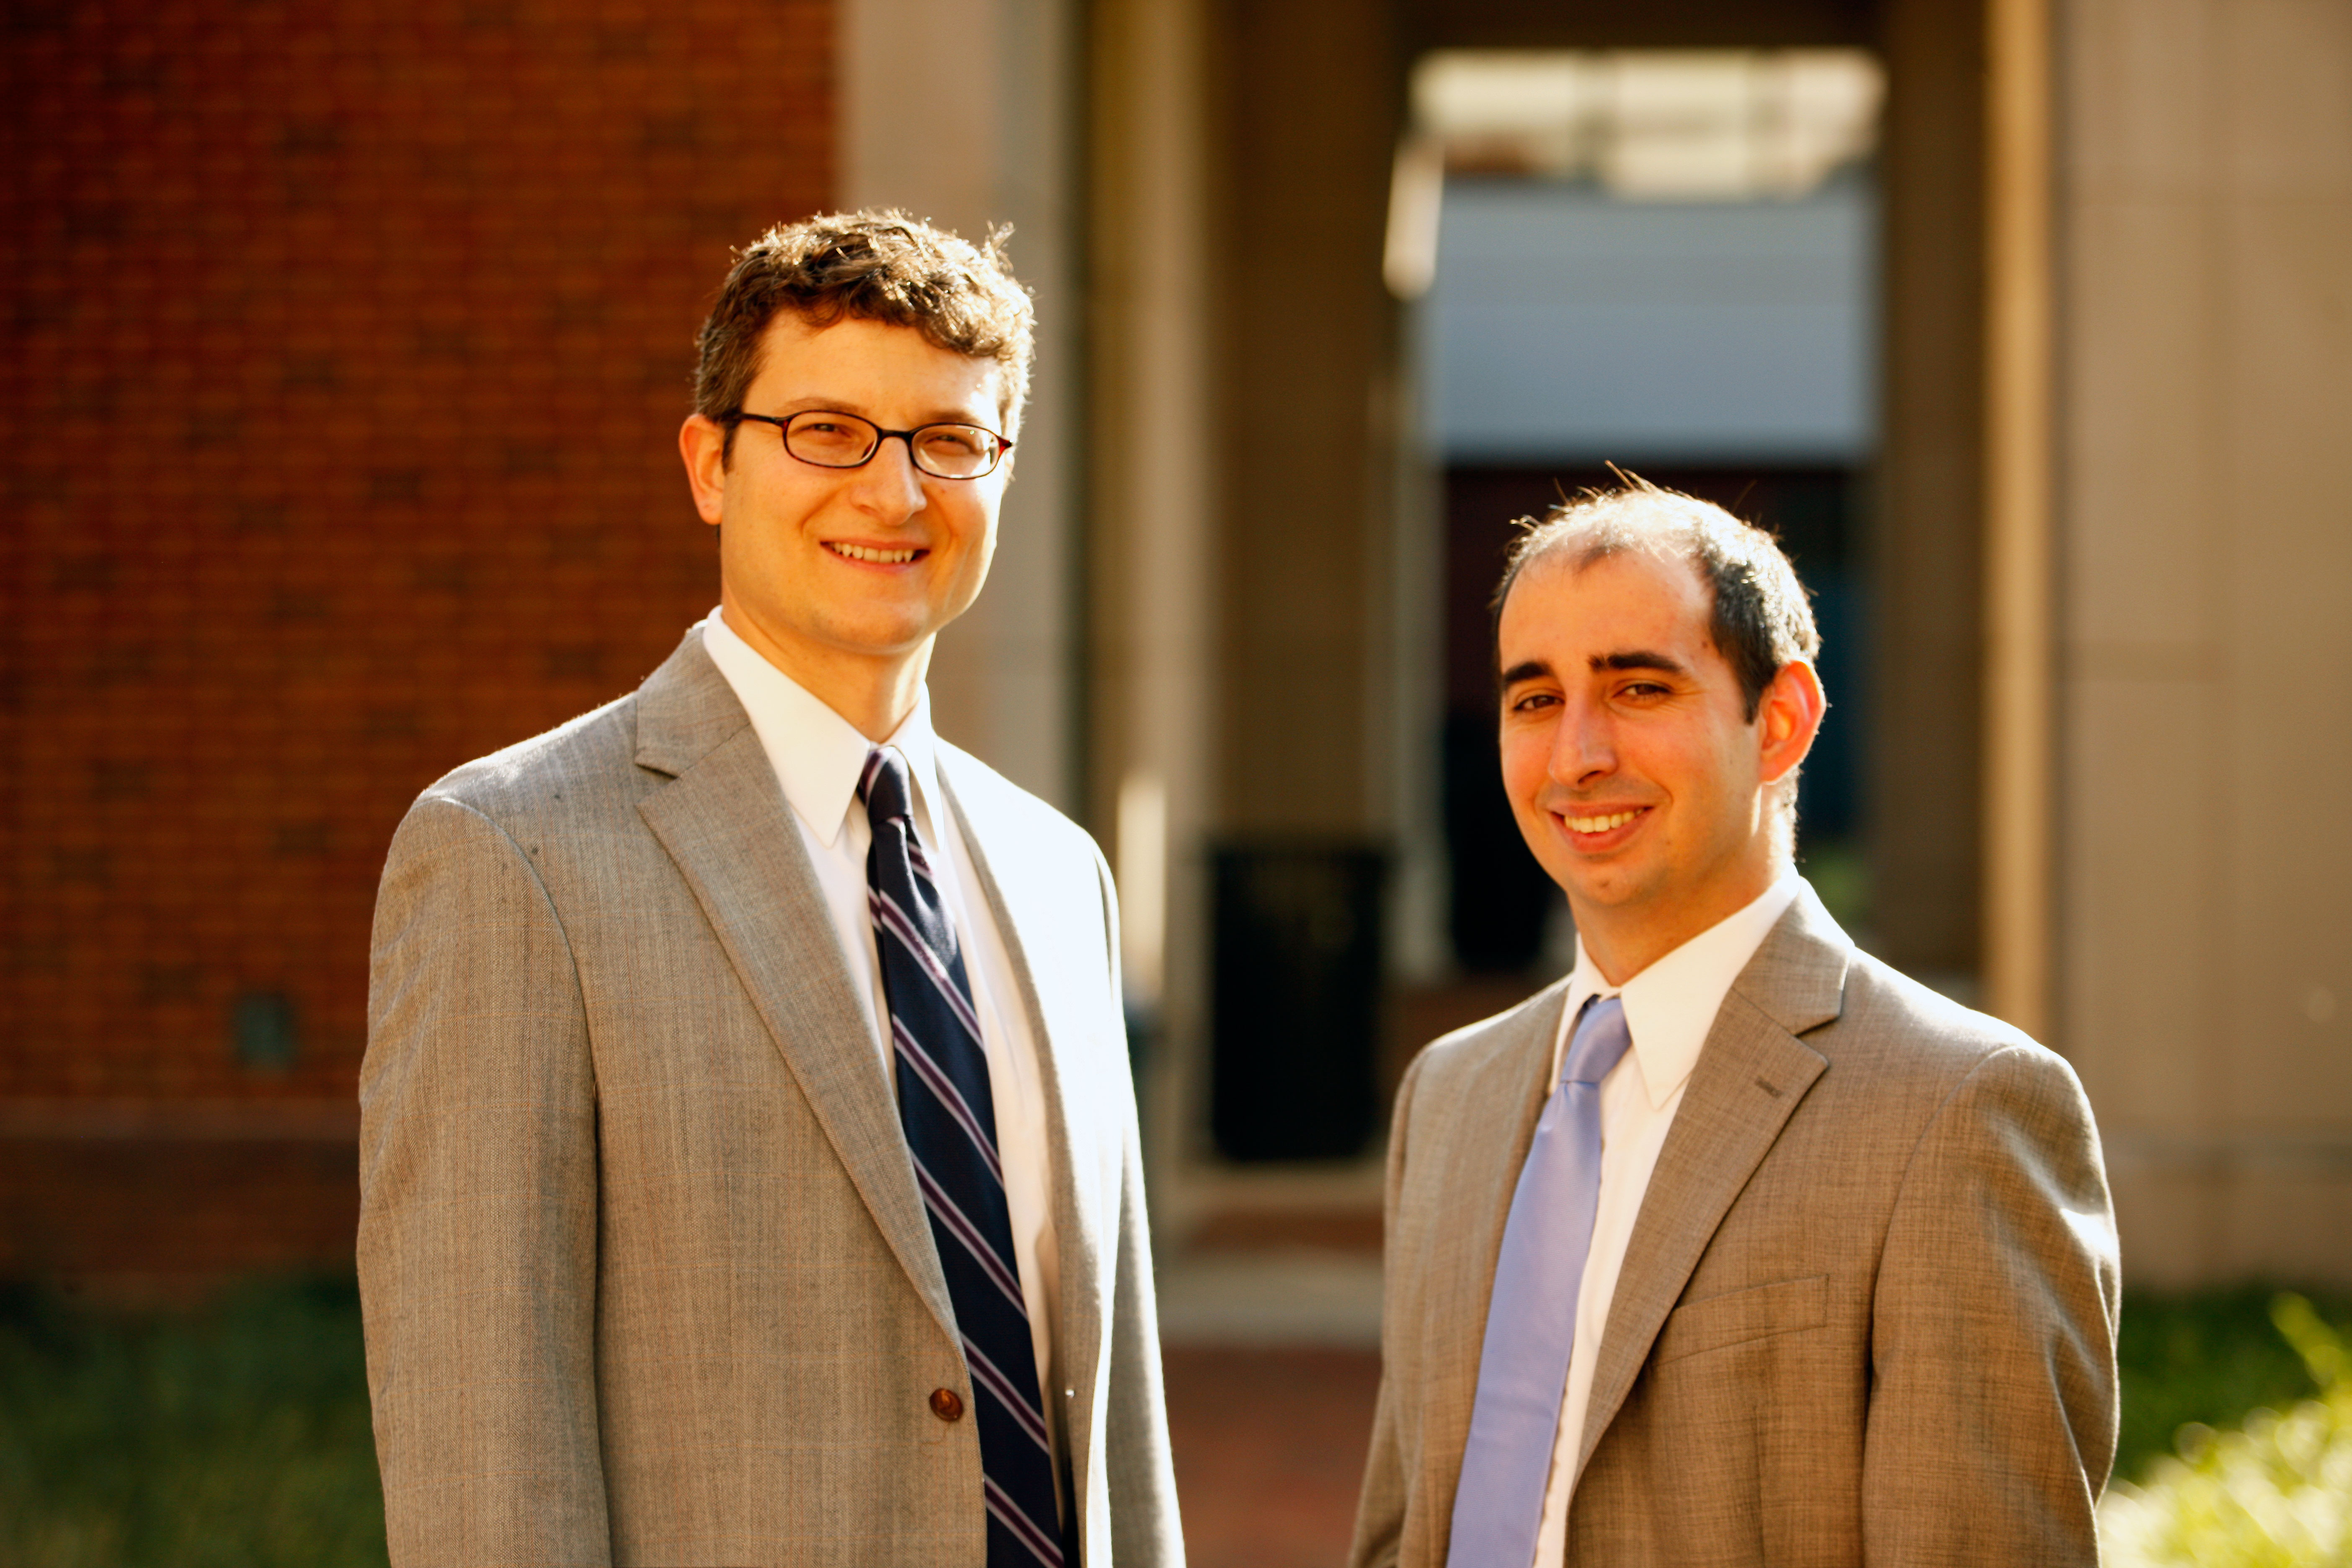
(869, 553)
(1614, 819)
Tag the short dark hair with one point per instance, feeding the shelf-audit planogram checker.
(1761, 619)
(877, 265)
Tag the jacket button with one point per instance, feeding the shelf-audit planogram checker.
(947, 1405)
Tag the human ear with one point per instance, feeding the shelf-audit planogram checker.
(702, 443)
(1789, 717)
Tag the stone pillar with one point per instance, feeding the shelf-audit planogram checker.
(1311, 98)
(1153, 476)
(2205, 651)
(1926, 542)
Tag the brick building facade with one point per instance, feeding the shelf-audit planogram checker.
(347, 344)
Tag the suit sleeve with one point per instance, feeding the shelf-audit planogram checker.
(1380, 1508)
(478, 1208)
(1145, 1528)
(1146, 1531)
(1992, 1406)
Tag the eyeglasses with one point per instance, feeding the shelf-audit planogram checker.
(832, 440)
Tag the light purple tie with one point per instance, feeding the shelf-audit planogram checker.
(1531, 1321)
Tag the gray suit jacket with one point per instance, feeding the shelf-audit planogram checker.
(646, 1273)
(1866, 1315)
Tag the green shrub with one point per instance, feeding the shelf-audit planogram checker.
(236, 1436)
(2206, 1356)
(2276, 1493)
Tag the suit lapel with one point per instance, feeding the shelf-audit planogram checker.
(1084, 1152)
(1483, 1150)
(1750, 1075)
(723, 819)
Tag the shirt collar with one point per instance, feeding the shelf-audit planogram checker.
(818, 754)
(1670, 1006)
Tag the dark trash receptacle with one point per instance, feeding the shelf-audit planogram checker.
(1297, 999)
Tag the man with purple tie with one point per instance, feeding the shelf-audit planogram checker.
(748, 1158)
(1735, 1246)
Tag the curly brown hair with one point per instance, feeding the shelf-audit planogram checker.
(876, 265)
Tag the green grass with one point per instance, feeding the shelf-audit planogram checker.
(2210, 1359)
(237, 1436)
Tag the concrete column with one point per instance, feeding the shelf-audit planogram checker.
(1926, 542)
(1312, 100)
(2017, 584)
(2205, 219)
(1153, 477)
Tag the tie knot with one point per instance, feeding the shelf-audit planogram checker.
(1599, 1042)
(883, 786)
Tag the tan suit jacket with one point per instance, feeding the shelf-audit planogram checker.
(1866, 1314)
(646, 1273)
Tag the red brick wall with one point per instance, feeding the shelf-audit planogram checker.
(347, 344)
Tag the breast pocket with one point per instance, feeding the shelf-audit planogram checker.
(1783, 1307)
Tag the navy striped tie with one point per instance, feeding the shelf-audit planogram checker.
(949, 1117)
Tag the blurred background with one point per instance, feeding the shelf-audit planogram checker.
(346, 346)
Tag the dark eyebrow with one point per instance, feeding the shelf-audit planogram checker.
(1638, 659)
(1530, 669)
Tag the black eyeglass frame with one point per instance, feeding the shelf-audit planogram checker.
(913, 453)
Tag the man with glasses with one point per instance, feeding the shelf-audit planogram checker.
(749, 1157)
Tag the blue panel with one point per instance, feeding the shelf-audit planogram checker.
(1564, 323)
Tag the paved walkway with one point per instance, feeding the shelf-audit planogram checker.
(1269, 1446)
(1272, 1364)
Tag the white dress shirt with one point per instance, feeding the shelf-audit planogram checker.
(1669, 1009)
(818, 756)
